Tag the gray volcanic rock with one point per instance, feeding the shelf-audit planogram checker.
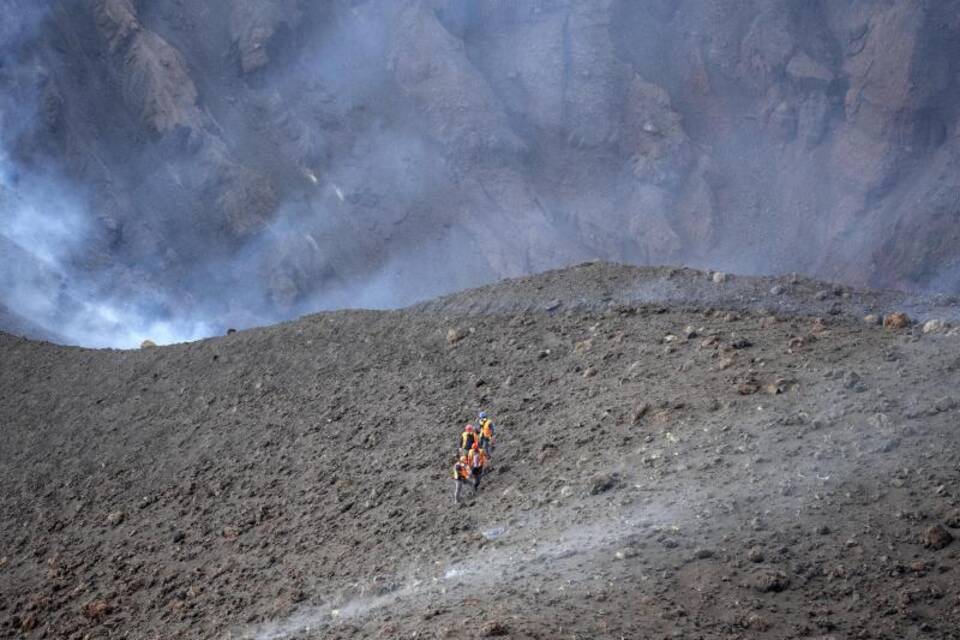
(293, 482)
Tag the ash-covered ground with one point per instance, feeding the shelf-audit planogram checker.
(680, 455)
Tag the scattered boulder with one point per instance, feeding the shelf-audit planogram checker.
(719, 277)
(583, 346)
(96, 609)
(147, 344)
(953, 520)
(770, 581)
(115, 518)
(937, 537)
(231, 331)
(896, 320)
(778, 386)
(703, 553)
(799, 342)
(935, 326)
(456, 334)
(741, 343)
(777, 290)
(710, 342)
(602, 482)
(871, 319)
(748, 388)
(755, 554)
(494, 629)
(553, 305)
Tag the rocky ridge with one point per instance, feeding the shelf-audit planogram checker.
(285, 155)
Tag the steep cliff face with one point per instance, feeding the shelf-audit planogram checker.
(248, 161)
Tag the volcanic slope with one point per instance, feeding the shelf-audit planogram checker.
(662, 471)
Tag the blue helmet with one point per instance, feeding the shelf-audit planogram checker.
(483, 414)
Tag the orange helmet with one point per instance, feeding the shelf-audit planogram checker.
(468, 428)
(476, 445)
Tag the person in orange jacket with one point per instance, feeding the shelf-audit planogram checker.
(478, 460)
(461, 475)
(486, 434)
(467, 439)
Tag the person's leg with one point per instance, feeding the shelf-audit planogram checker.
(457, 490)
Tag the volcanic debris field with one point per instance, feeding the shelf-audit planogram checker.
(681, 454)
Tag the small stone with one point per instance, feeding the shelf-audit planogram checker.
(494, 629)
(623, 554)
(755, 554)
(147, 344)
(96, 609)
(719, 277)
(115, 518)
(703, 554)
(602, 482)
(896, 320)
(777, 290)
(455, 335)
(770, 581)
(590, 372)
(871, 319)
(748, 388)
(937, 537)
(935, 326)
(553, 305)
(179, 537)
(583, 346)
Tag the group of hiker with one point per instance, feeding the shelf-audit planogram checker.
(474, 451)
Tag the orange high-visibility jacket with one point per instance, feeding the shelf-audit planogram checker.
(478, 459)
(486, 428)
(460, 471)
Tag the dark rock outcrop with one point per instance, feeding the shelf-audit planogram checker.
(297, 150)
